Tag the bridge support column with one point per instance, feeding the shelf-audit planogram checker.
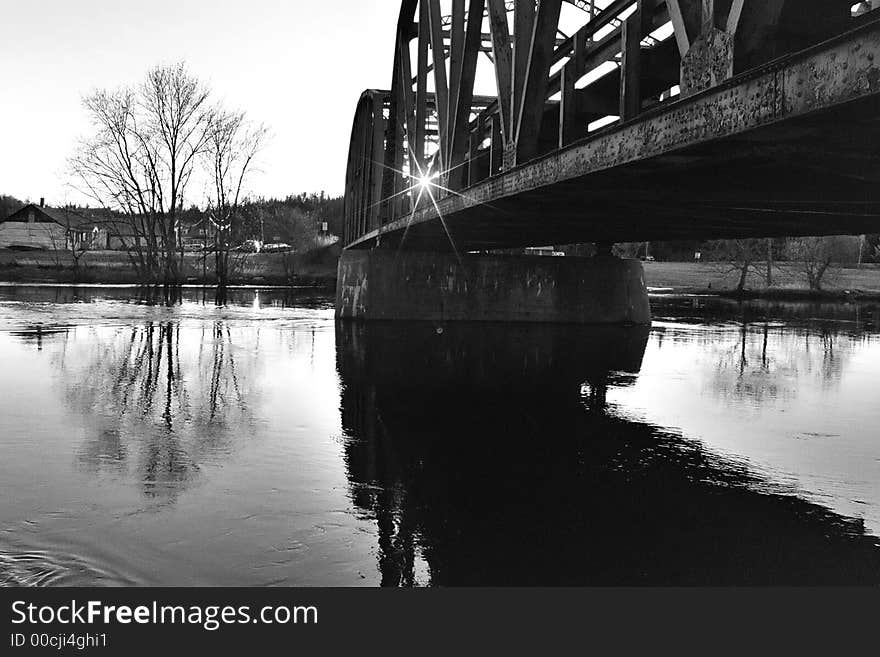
(410, 285)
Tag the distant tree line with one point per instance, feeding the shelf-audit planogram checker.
(294, 220)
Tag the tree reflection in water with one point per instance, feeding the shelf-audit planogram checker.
(487, 456)
(767, 359)
(161, 398)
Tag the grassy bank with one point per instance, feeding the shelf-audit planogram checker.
(316, 268)
(788, 282)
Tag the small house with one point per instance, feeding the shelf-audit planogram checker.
(50, 229)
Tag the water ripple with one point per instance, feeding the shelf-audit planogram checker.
(36, 568)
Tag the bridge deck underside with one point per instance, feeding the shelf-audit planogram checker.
(789, 150)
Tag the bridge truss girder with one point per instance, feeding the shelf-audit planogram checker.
(542, 104)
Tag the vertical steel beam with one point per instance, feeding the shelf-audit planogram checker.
(441, 88)
(393, 139)
(357, 169)
(366, 170)
(408, 104)
(496, 152)
(456, 55)
(531, 110)
(406, 89)
(376, 155)
(579, 52)
(503, 65)
(630, 65)
(523, 27)
(708, 16)
(399, 154)
(574, 69)
(392, 179)
(567, 104)
(422, 85)
(473, 145)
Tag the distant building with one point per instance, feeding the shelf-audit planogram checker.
(542, 251)
(197, 234)
(50, 229)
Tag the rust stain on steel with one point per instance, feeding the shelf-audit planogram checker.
(837, 71)
(708, 63)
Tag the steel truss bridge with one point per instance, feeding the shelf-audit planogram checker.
(619, 120)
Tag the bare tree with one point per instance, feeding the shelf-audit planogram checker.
(76, 238)
(79, 243)
(813, 257)
(742, 257)
(141, 159)
(232, 144)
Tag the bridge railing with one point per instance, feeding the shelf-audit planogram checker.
(552, 89)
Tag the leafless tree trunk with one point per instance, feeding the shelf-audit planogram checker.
(233, 143)
(72, 243)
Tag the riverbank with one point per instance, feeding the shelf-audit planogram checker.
(318, 269)
(857, 282)
(315, 268)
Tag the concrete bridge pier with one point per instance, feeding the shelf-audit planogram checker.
(382, 284)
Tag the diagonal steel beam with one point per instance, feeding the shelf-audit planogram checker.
(465, 93)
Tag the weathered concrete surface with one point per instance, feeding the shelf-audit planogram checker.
(412, 285)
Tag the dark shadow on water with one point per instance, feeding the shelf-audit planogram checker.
(37, 334)
(489, 453)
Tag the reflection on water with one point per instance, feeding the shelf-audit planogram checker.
(184, 397)
(251, 440)
(448, 427)
(482, 465)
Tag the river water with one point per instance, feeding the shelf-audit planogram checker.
(253, 441)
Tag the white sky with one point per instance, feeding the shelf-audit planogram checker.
(296, 65)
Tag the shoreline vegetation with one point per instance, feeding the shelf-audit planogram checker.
(315, 268)
(843, 283)
(318, 269)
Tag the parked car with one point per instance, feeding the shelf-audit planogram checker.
(249, 246)
(277, 247)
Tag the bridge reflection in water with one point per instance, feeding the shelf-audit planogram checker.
(487, 455)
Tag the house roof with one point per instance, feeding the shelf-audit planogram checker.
(42, 214)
